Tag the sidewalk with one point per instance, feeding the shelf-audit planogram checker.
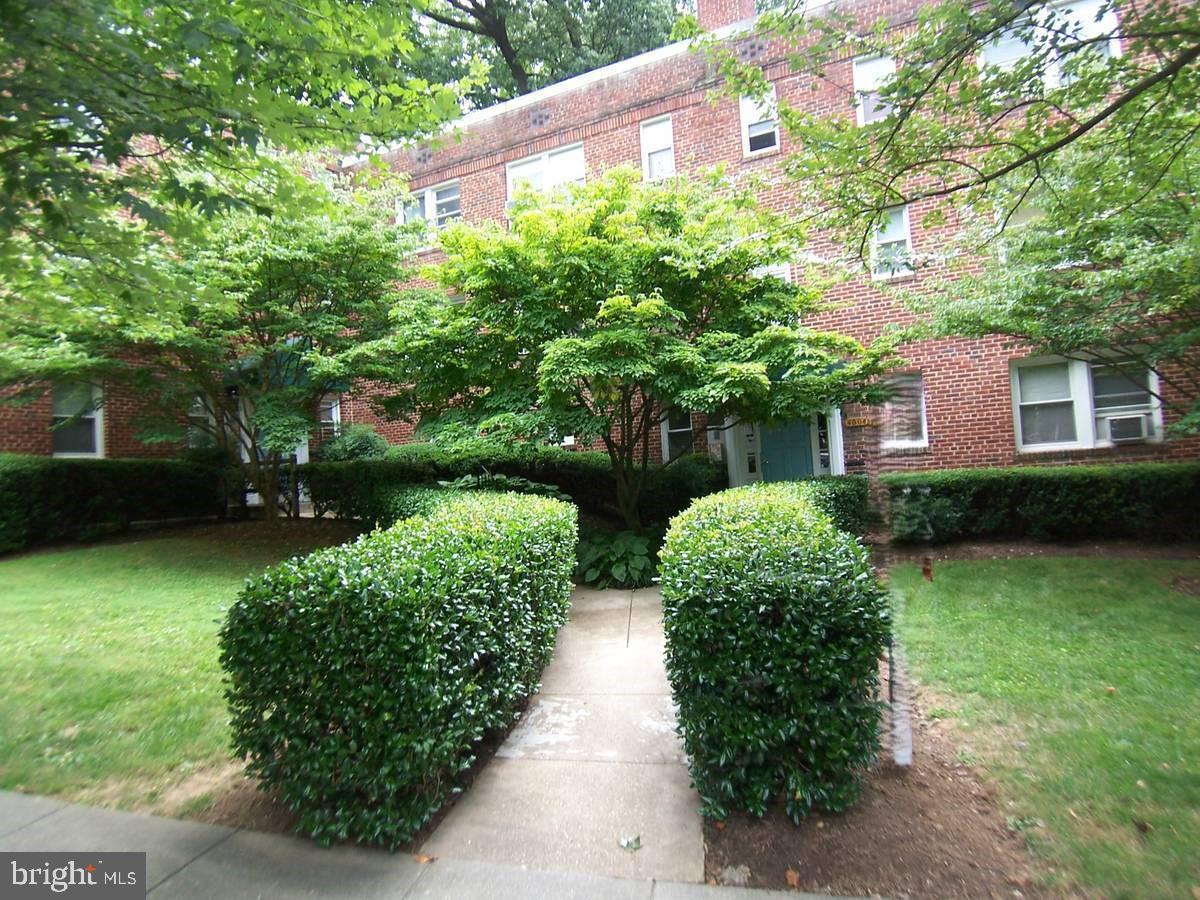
(192, 860)
(595, 760)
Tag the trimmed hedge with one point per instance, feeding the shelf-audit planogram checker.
(44, 499)
(1142, 501)
(361, 677)
(844, 498)
(358, 490)
(775, 624)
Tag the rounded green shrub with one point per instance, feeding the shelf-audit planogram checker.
(360, 678)
(775, 625)
(354, 442)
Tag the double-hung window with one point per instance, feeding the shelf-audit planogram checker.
(658, 149)
(891, 253)
(760, 124)
(1073, 29)
(436, 206)
(546, 171)
(77, 420)
(1076, 404)
(329, 415)
(677, 437)
(871, 73)
(903, 413)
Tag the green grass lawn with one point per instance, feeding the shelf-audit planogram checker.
(1076, 684)
(109, 679)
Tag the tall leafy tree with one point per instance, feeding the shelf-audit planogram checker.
(604, 307)
(272, 320)
(528, 44)
(121, 119)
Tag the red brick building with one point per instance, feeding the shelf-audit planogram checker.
(958, 402)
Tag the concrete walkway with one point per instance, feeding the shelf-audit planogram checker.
(189, 860)
(594, 762)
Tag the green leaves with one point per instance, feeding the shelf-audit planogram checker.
(361, 677)
(775, 624)
(620, 560)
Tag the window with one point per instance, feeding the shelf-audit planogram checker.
(870, 75)
(546, 171)
(782, 271)
(891, 255)
(760, 128)
(1062, 25)
(658, 149)
(904, 413)
(329, 415)
(1072, 404)
(438, 206)
(677, 434)
(78, 425)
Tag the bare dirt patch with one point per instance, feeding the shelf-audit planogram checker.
(932, 830)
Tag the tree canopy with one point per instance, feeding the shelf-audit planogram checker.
(983, 96)
(604, 307)
(528, 44)
(122, 120)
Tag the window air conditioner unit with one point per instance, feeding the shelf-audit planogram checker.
(1126, 429)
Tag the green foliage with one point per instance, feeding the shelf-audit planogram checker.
(361, 677)
(43, 499)
(277, 319)
(513, 484)
(127, 123)
(846, 499)
(1144, 501)
(526, 45)
(354, 442)
(359, 490)
(623, 559)
(775, 624)
(602, 307)
(959, 130)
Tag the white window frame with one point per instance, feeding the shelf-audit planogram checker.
(667, 430)
(781, 270)
(335, 410)
(751, 113)
(97, 418)
(877, 275)
(545, 160)
(861, 87)
(923, 441)
(1054, 73)
(648, 149)
(1079, 377)
(427, 197)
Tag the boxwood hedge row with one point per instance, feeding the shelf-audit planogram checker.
(360, 678)
(44, 499)
(360, 489)
(1146, 501)
(775, 624)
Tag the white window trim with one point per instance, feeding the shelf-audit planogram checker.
(544, 158)
(335, 412)
(781, 270)
(1054, 66)
(666, 430)
(923, 442)
(746, 104)
(859, 110)
(893, 276)
(647, 150)
(98, 426)
(1080, 379)
(428, 198)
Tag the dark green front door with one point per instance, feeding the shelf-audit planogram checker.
(787, 451)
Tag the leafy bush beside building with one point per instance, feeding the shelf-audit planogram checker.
(361, 677)
(775, 624)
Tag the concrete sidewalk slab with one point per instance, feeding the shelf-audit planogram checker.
(456, 880)
(571, 816)
(170, 844)
(19, 810)
(252, 865)
(594, 760)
